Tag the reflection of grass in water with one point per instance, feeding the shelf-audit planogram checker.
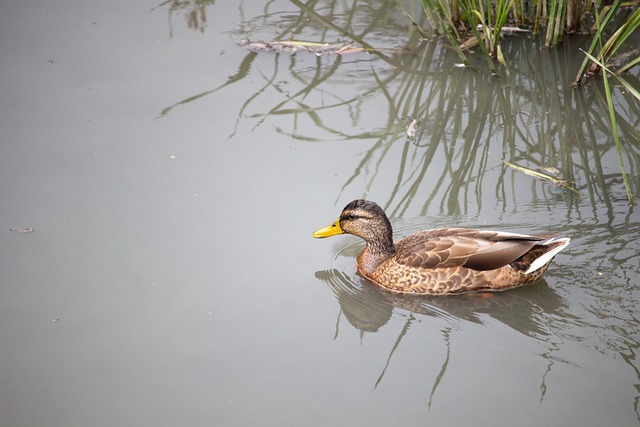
(540, 120)
(462, 17)
(195, 12)
(539, 124)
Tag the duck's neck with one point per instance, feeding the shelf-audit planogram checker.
(381, 243)
(382, 246)
(375, 253)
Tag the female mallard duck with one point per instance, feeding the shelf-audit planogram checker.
(443, 261)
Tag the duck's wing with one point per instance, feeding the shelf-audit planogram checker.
(475, 249)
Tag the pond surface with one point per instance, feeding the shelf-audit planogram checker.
(159, 185)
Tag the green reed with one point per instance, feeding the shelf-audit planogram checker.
(471, 22)
(612, 45)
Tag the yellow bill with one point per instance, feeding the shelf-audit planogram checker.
(330, 230)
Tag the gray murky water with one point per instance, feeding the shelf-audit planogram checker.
(172, 180)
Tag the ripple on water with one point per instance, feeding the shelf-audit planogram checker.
(523, 119)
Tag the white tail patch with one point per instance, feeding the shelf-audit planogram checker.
(544, 259)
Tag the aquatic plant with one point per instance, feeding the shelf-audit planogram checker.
(471, 22)
(611, 45)
(609, 49)
(475, 21)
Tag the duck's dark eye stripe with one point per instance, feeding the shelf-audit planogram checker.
(352, 217)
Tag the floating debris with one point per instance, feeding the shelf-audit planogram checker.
(551, 170)
(506, 30)
(22, 230)
(513, 30)
(469, 43)
(561, 183)
(295, 46)
(412, 129)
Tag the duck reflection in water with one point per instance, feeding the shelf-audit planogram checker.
(369, 308)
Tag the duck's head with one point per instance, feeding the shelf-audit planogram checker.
(364, 219)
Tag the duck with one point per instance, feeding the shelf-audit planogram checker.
(443, 261)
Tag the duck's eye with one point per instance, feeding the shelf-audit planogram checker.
(350, 217)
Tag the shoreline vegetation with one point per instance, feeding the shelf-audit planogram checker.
(469, 23)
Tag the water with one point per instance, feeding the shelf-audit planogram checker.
(172, 180)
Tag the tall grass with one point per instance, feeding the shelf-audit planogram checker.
(613, 44)
(471, 22)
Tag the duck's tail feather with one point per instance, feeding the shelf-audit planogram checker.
(552, 247)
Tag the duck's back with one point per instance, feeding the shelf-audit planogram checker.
(457, 260)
